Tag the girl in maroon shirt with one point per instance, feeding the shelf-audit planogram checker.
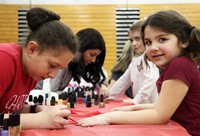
(173, 44)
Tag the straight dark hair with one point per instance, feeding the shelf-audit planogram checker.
(89, 38)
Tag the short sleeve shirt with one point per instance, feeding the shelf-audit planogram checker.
(188, 113)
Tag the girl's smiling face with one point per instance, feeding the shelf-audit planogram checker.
(161, 47)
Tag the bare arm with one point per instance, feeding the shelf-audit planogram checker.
(134, 107)
(172, 94)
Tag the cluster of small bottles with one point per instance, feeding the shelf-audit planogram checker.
(74, 95)
(10, 126)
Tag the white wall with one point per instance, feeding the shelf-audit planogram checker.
(97, 1)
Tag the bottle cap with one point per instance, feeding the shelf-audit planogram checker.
(96, 97)
(72, 99)
(30, 98)
(88, 99)
(60, 96)
(5, 124)
(14, 119)
(35, 100)
(64, 96)
(101, 99)
(40, 99)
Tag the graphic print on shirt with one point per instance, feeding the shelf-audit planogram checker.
(16, 103)
(140, 66)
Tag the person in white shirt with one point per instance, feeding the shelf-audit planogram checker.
(132, 49)
(141, 75)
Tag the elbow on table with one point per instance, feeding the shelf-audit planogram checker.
(161, 120)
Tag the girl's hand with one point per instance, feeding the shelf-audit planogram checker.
(95, 120)
(53, 116)
(126, 108)
(129, 100)
(104, 91)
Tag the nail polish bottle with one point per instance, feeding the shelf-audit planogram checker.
(88, 101)
(40, 100)
(53, 101)
(46, 87)
(59, 102)
(74, 96)
(101, 101)
(69, 91)
(47, 99)
(1, 121)
(96, 99)
(79, 98)
(84, 97)
(5, 131)
(64, 98)
(71, 101)
(30, 100)
(14, 124)
(35, 100)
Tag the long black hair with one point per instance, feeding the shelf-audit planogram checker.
(89, 38)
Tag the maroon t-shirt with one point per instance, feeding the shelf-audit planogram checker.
(15, 85)
(188, 113)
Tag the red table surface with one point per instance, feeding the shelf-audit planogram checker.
(171, 128)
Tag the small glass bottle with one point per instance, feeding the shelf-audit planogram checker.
(53, 101)
(101, 101)
(1, 121)
(46, 88)
(30, 100)
(88, 101)
(96, 99)
(14, 124)
(4, 131)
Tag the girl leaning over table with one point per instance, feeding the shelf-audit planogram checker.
(50, 46)
(87, 65)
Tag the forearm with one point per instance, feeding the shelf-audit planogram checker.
(32, 121)
(134, 107)
(143, 114)
(142, 106)
(150, 116)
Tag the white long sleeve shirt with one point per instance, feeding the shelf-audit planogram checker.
(143, 79)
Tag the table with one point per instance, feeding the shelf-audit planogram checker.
(171, 128)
